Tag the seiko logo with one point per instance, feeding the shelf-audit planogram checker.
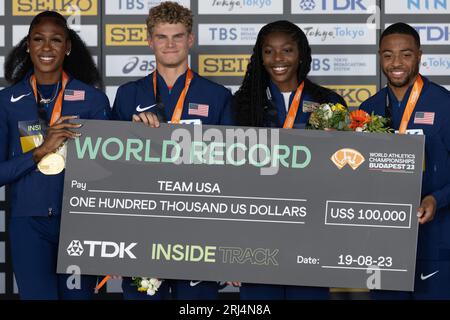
(33, 7)
(354, 95)
(126, 35)
(103, 249)
(223, 65)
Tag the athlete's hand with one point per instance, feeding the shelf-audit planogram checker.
(148, 118)
(56, 135)
(427, 209)
(233, 283)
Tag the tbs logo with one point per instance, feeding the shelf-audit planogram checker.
(318, 64)
(103, 249)
(223, 33)
(131, 4)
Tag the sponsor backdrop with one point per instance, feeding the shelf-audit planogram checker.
(343, 35)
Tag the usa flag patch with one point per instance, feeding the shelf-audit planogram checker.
(196, 109)
(74, 95)
(424, 118)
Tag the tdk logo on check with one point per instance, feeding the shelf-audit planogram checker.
(104, 249)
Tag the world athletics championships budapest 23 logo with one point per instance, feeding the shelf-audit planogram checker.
(347, 156)
(75, 249)
(307, 5)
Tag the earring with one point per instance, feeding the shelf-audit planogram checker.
(68, 53)
(28, 50)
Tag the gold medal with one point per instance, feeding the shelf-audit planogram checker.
(51, 164)
(55, 162)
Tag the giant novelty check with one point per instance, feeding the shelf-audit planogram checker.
(275, 206)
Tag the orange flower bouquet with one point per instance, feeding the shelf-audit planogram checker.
(361, 121)
(336, 117)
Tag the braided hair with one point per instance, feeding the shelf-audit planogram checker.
(250, 99)
(79, 63)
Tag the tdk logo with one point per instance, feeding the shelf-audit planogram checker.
(434, 33)
(307, 5)
(103, 249)
(336, 5)
(75, 249)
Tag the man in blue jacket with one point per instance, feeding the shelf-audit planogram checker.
(173, 92)
(428, 105)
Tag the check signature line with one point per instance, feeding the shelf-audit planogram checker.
(176, 217)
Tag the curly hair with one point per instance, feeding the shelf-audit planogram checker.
(250, 99)
(79, 63)
(169, 12)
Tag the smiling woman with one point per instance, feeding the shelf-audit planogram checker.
(277, 93)
(281, 59)
(45, 70)
(48, 44)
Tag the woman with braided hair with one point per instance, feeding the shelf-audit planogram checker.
(277, 93)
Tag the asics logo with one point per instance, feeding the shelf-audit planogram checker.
(19, 97)
(422, 277)
(139, 109)
(194, 283)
